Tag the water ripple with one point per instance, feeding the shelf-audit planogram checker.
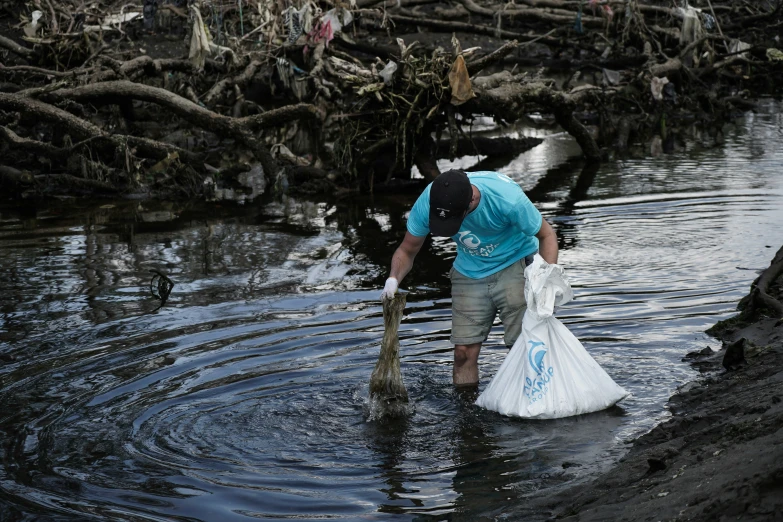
(246, 396)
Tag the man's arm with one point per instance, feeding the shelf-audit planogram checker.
(402, 260)
(547, 242)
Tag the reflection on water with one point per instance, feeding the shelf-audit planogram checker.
(243, 397)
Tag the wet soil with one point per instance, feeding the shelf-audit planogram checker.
(720, 455)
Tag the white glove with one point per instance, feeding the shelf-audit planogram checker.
(389, 289)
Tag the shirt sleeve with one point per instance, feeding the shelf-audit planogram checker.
(419, 217)
(525, 215)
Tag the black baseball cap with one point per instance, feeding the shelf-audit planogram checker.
(450, 197)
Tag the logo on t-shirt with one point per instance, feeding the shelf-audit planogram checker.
(471, 244)
(470, 241)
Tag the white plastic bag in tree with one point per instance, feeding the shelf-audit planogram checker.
(657, 85)
(387, 73)
(200, 41)
(692, 28)
(737, 46)
(548, 374)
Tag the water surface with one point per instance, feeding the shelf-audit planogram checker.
(244, 397)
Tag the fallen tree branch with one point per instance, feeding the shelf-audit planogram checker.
(476, 29)
(240, 80)
(92, 185)
(271, 118)
(40, 71)
(49, 113)
(38, 147)
(670, 66)
(760, 288)
(475, 66)
(80, 128)
(13, 176)
(389, 4)
(510, 97)
(240, 129)
(484, 146)
(533, 13)
(15, 48)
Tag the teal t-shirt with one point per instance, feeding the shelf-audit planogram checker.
(499, 232)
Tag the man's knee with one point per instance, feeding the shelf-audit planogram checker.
(466, 354)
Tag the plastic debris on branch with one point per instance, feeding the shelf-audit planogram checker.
(692, 28)
(656, 87)
(387, 73)
(548, 374)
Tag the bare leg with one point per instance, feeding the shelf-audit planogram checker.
(466, 363)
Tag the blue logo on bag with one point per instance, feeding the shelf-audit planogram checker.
(536, 388)
(536, 355)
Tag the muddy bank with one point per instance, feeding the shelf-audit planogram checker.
(720, 455)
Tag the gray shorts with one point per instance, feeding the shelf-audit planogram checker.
(476, 302)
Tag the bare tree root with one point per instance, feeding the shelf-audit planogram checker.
(241, 80)
(551, 14)
(70, 183)
(13, 177)
(759, 297)
(496, 56)
(509, 97)
(24, 52)
(241, 129)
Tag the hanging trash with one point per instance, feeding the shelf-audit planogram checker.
(607, 13)
(548, 374)
(709, 21)
(338, 18)
(199, 41)
(387, 73)
(201, 44)
(578, 23)
(691, 29)
(738, 47)
(459, 81)
(656, 87)
(670, 92)
(330, 23)
(292, 22)
(32, 28)
(293, 77)
(610, 77)
(321, 33)
(774, 55)
(150, 7)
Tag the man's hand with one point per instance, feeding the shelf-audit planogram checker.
(389, 289)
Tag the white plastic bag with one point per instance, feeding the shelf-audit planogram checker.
(692, 28)
(548, 374)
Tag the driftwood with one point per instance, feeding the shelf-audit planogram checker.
(387, 390)
(765, 299)
(761, 294)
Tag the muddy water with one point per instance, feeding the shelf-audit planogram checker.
(244, 397)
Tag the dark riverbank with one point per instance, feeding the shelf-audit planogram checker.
(720, 455)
